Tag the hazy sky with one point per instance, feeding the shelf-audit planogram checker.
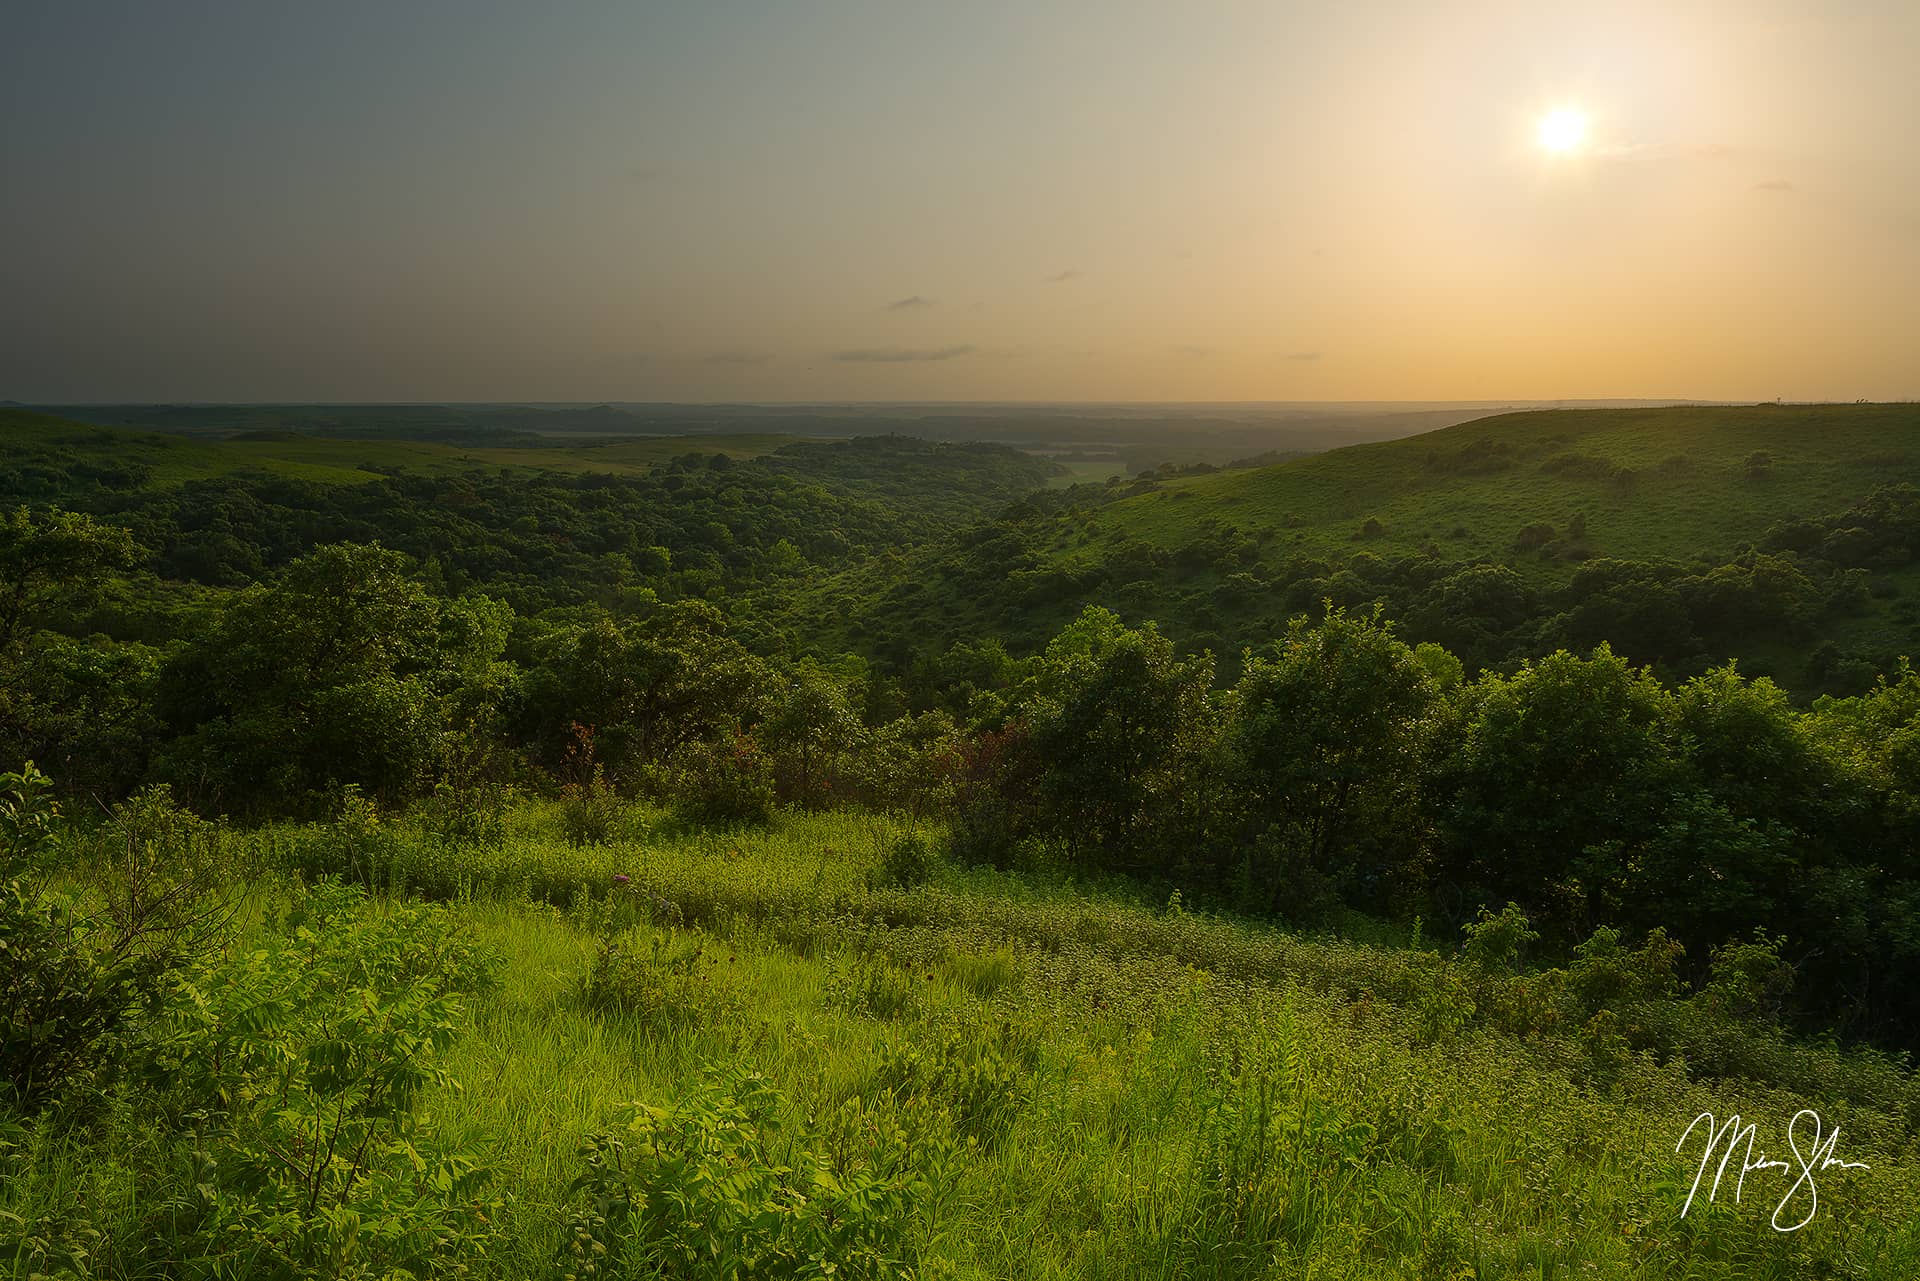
(826, 199)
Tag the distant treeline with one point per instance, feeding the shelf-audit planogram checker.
(1225, 589)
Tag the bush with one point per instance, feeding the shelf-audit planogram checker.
(710, 1187)
(66, 1004)
(729, 783)
(321, 1045)
(589, 810)
(354, 846)
(906, 862)
(662, 980)
(983, 1075)
(873, 987)
(74, 986)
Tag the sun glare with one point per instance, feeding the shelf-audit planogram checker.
(1562, 130)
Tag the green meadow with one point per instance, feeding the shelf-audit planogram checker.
(1670, 482)
(797, 1054)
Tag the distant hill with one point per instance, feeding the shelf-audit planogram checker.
(36, 449)
(1784, 536)
(1671, 482)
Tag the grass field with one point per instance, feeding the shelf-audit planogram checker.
(1086, 1085)
(1650, 483)
(175, 459)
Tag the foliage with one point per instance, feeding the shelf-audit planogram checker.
(907, 861)
(299, 1069)
(710, 1186)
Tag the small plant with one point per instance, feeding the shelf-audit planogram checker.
(718, 1185)
(983, 1075)
(665, 981)
(872, 986)
(906, 862)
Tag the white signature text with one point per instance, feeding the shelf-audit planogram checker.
(1812, 1154)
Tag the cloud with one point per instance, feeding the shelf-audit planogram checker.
(1303, 355)
(1775, 184)
(1188, 349)
(910, 304)
(737, 358)
(899, 355)
(1666, 151)
(1062, 277)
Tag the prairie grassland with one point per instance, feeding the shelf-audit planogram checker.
(1650, 483)
(1083, 1085)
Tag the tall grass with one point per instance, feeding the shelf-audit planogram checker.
(1091, 1087)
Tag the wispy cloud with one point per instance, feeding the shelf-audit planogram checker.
(899, 355)
(737, 358)
(1775, 184)
(1303, 355)
(1665, 151)
(909, 304)
(1189, 349)
(1062, 277)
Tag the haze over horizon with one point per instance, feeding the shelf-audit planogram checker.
(852, 202)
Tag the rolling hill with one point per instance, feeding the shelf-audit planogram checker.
(1683, 536)
(1675, 483)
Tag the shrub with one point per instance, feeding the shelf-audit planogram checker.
(711, 1187)
(662, 980)
(74, 986)
(906, 862)
(1533, 537)
(588, 810)
(354, 845)
(728, 783)
(65, 1003)
(321, 1045)
(982, 1074)
(873, 987)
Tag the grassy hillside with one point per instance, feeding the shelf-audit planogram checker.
(1650, 483)
(972, 1077)
(29, 440)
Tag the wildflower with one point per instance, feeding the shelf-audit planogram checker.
(621, 878)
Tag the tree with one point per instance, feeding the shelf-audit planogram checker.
(1115, 717)
(343, 670)
(79, 706)
(1325, 743)
(1562, 776)
(811, 725)
(43, 556)
(647, 687)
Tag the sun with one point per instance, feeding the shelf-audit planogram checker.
(1562, 130)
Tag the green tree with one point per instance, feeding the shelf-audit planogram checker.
(1561, 778)
(647, 687)
(1116, 719)
(78, 705)
(1326, 742)
(343, 670)
(812, 727)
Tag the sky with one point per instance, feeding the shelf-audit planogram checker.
(816, 200)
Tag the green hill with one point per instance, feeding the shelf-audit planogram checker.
(1787, 537)
(36, 448)
(1649, 483)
